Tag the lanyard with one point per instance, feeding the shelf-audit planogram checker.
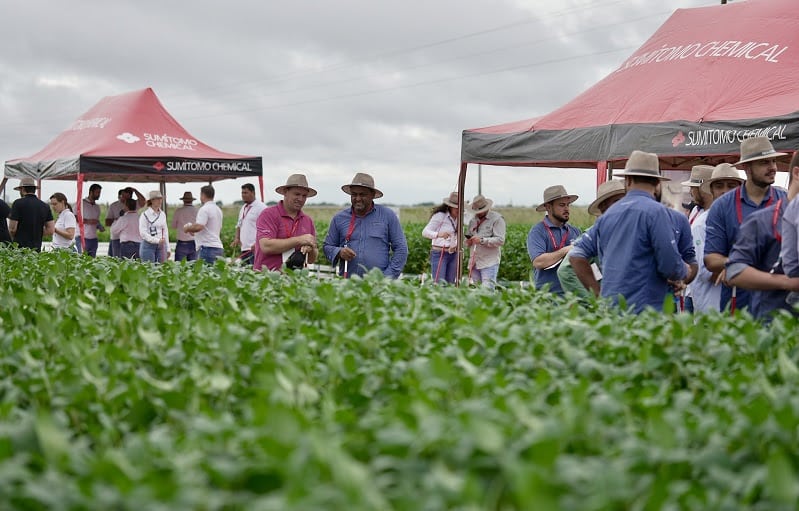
(693, 217)
(352, 224)
(291, 226)
(738, 209)
(477, 225)
(774, 220)
(246, 211)
(151, 222)
(563, 239)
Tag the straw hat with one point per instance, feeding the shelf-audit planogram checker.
(554, 193)
(721, 172)
(155, 194)
(644, 165)
(364, 180)
(757, 148)
(698, 174)
(452, 200)
(296, 180)
(187, 196)
(480, 204)
(26, 181)
(605, 191)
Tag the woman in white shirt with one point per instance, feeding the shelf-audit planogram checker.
(153, 230)
(442, 230)
(64, 234)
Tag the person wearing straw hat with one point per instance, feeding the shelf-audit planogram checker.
(755, 264)
(366, 235)
(117, 210)
(89, 220)
(700, 200)
(246, 228)
(485, 235)
(789, 254)
(635, 243)
(759, 161)
(207, 228)
(153, 230)
(30, 219)
(442, 229)
(705, 294)
(607, 194)
(550, 240)
(185, 248)
(284, 229)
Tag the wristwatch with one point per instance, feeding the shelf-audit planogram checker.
(482, 241)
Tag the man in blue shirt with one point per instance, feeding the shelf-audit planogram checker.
(635, 243)
(366, 235)
(789, 254)
(759, 161)
(754, 261)
(550, 240)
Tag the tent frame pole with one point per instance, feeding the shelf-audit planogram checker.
(459, 229)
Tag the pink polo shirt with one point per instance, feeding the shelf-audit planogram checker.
(274, 223)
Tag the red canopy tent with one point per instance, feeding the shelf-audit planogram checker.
(708, 78)
(131, 137)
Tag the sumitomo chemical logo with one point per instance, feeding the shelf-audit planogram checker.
(130, 138)
(158, 166)
(207, 166)
(717, 137)
(165, 141)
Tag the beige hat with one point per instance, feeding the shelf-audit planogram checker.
(698, 174)
(296, 180)
(26, 181)
(480, 204)
(644, 165)
(155, 194)
(364, 180)
(757, 148)
(605, 191)
(452, 200)
(554, 193)
(721, 172)
(187, 196)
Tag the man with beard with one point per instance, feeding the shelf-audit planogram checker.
(366, 235)
(550, 240)
(90, 218)
(759, 161)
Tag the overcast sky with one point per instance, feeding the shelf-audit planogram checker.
(323, 88)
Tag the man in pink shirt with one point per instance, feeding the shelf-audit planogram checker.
(283, 229)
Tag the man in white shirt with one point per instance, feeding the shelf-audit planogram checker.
(116, 210)
(207, 227)
(90, 214)
(245, 227)
(185, 249)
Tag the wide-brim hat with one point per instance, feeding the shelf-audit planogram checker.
(187, 196)
(452, 200)
(298, 181)
(643, 164)
(554, 193)
(721, 172)
(605, 191)
(757, 148)
(364, 180)
(25, 182)
(698, 174)
(155, 194)
(480, 204)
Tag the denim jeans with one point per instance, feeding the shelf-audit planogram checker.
(151, 252)
(114, 248)
(443, 265)
(247, 257)
(185, 250)
(91, 246)
(211, 254)
(128, 250)
(488, 276)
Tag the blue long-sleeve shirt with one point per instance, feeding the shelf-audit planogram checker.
(722, 229)
(635, 243)
(377, 239)
(540, 242)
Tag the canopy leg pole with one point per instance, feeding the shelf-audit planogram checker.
(79, 213)
(601, 172)
(3, 187)
(459, 246)
(261, 185)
